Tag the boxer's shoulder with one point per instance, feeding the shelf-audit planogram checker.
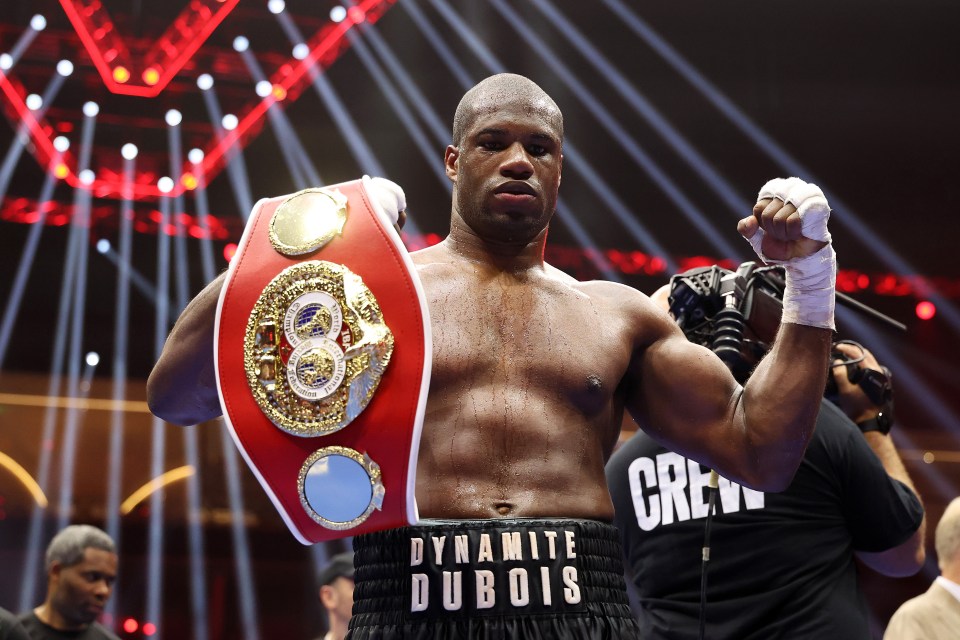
(613, 295)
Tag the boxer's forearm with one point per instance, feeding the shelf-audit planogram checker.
(780, 402)
(182, 387)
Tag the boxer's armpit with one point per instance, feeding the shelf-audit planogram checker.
(182, 387)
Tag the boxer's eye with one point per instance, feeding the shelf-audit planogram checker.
(340, 487)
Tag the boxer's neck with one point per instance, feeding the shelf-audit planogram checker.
(505, 256)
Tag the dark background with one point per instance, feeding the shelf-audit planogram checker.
(862, 96)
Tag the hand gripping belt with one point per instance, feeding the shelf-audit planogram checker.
(322, 355)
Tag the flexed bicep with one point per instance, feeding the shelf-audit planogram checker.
(683, 396)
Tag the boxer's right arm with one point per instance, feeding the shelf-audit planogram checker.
(182, 388)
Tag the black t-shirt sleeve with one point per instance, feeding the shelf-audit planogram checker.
(10, 628)
(880, 512)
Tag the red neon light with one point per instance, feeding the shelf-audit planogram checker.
(289, 81)
(575, 260)
(926, 310)
(163, 61)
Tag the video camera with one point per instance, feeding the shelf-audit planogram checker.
(736, 314)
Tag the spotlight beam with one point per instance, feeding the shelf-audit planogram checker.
(198, 582)
(352, 135)
(355, 140)
(768, 145)
(416, 132)
(198, 579)
(463, 30)
(236, 167)
(120, 345)
(80, 225)
(35, 535)
(642, 106)
(617, 132)
(140, 282)
(433, 37)
(22, 137)
(441, 133)
(241, 546)
(19, 286)
(203, 218)
(298, 162)
(24, 41)
(154, 595)
(182, 271)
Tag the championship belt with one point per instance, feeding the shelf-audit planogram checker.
(323, 354)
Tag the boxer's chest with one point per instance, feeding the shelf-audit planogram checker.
(524, 334)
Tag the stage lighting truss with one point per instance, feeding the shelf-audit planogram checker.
(137, 68)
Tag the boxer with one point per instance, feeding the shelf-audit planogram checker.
(531, 373)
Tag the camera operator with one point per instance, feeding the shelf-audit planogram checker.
(780, 565)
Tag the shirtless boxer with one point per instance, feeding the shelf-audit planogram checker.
(531, 373)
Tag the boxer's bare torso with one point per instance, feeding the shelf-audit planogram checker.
(532, 369)
(525, 398)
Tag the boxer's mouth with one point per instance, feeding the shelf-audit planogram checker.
(516, 188)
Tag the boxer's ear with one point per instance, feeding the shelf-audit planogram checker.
(450, 157)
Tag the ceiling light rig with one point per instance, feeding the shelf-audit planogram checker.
(201, 47)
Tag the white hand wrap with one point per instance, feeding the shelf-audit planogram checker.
(810, 293)
(387, 197)
(809, 296)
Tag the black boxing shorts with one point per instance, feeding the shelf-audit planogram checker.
(491, 579)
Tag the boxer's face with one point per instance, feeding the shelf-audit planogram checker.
(506, 171)
(81, 591)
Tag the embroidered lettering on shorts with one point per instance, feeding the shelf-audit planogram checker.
(528, 569)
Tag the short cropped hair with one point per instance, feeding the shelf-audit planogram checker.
(947, 537)
(67, 547)
(500, 89)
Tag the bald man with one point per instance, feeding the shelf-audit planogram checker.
(531, 373)
(935, 615)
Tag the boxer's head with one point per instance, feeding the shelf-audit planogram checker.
(505, 159)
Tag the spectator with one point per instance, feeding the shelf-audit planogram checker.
(336, 594)
(81, 568)
(935, 615)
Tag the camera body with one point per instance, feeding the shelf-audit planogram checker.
(737, 315)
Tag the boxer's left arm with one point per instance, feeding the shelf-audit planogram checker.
(682, 395)
(756, 434)
(182, 388)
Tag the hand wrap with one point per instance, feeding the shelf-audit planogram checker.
(387, 197)
(809, 296)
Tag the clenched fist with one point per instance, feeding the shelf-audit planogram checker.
(789, 220)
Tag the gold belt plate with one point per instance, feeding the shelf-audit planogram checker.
(315, 348)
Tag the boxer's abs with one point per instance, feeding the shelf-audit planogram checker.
(485, 456)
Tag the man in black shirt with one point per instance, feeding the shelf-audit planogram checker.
(81, 568)
(781, 564)
(10, 628)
